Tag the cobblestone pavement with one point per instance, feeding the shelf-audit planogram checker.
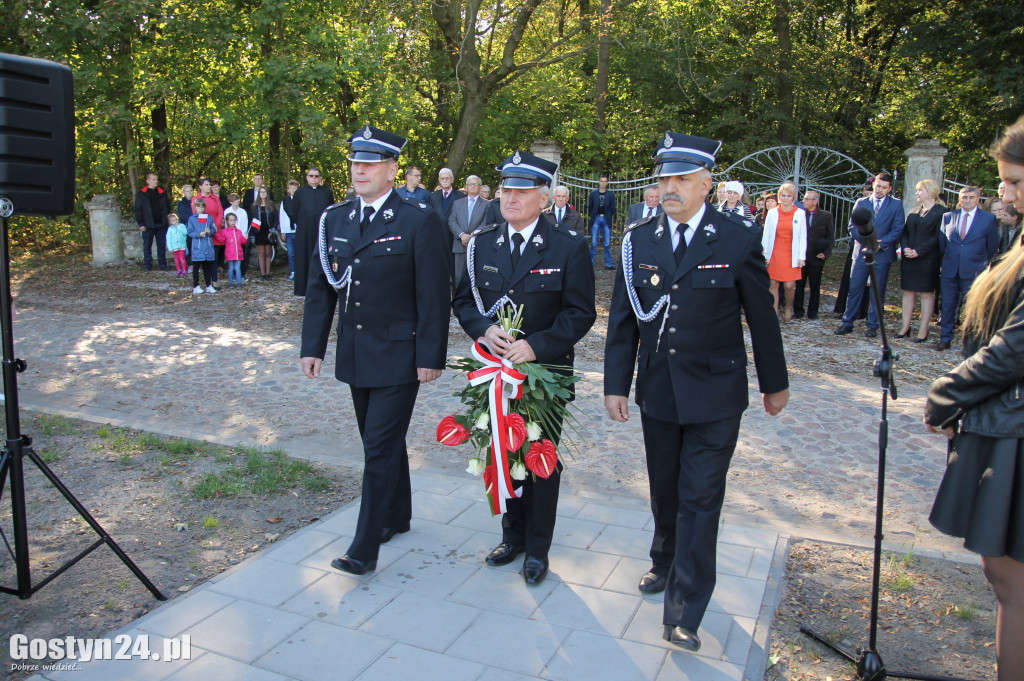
(810, 472)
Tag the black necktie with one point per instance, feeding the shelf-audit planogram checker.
(681, 246)
(517, 243)
(561, 215)
(365, 222)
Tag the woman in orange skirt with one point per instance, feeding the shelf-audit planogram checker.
(785, 246)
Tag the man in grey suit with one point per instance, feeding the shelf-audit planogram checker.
(650, 206)
(467, 214)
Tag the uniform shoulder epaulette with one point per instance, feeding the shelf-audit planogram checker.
(415, 202)
(737, 220)
(562, 229)
(339, 204)
(484, 228)
(640, 223)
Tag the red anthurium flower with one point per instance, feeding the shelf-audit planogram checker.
(449, 432)
(489, 479)
(542, 458)
(516, 431)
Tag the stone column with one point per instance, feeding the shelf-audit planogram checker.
(549, 150)
(105, 225)
(924, 162)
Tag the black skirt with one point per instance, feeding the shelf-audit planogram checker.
(981, 496)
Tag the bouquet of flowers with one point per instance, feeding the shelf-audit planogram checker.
(509, 408)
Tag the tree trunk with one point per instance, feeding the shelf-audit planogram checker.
(278, 173)
(785, 84)
(601, 84)
(473, 106)
(161, 142)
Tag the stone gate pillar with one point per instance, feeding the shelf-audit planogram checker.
(549, 150)
(924, 162)
(105, 226)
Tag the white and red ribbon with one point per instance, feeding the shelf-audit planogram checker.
(506, 384)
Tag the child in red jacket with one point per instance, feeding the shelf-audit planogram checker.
(233, 241)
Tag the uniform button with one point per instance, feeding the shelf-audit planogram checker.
(542, 285)
(356, 282)
(359, 327)
(672, 351)
(358, 303)
(389, 249)
(672, 329)
(675, 287)
(674, 307)
(645, 281)
(356, 261)
(712, 281)
(511, 291)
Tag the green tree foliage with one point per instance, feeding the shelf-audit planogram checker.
(228, 88)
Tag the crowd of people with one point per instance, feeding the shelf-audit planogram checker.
(393, 261)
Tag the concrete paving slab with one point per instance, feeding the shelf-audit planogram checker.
(586, 656)
(321, 651)
(408, 662)
(421, 621)
(244, 631)
(341, 599)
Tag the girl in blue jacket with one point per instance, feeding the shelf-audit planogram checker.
(201, 229)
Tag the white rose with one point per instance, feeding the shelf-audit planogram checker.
(476, 467)
(518, 471)
(532, 432)
(483, 422)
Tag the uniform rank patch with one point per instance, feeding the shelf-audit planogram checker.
(489, 268)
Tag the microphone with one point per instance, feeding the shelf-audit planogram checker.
(861, 218)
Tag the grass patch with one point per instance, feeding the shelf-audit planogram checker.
(261, 472)
(966, 612)
(55, 424)
(896, 576)
(180, 449)
(49, 455)
(209, 522)
(103, 432)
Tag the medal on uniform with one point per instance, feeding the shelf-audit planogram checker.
(352, 215)
(388, 214)
(655, 280)
(334, 266)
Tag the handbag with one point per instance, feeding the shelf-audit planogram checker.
(275, 239)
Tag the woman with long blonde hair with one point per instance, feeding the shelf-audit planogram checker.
(980, 407)
(919, 266)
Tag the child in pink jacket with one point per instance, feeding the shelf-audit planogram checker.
(233, 241)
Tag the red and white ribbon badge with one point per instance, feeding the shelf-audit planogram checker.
(506, 384)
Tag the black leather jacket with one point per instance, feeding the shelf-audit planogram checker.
(986, 392)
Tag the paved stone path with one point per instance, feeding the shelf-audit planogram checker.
(432, 610)
(810, 472)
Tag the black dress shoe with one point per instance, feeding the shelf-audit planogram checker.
(354, 566)
(843, 330)
(903, 335)
(503, 554)
(682, 637)
(534, 570)
(942, 345)
(388, 532)
(652, 583)
(921, 340)
(812, 317)
(871, 333)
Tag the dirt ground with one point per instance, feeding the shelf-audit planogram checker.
(935, 617)
(943, 621)
(143, 492)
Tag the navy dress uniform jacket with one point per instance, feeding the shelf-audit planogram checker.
(554, 281)
(697, 372)
(394, 314)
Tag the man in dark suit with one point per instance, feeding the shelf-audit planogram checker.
(649, 207)
(821, 233)
(969, 239)
(601, 210)
(308, 203)
(563, 214)
(382, 262)
(888, 221)
(527, 261)
(253, 192)
(444, 198)
(467, 214)
(684, 279)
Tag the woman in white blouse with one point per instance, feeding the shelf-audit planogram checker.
(785, 246)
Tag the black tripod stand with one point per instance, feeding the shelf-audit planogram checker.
(870, 666)
(19, 446)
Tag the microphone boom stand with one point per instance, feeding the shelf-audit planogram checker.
(870, 666)
(19, 446)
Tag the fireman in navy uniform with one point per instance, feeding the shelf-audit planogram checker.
(552, 277)
(383, 266)
(684, 279)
